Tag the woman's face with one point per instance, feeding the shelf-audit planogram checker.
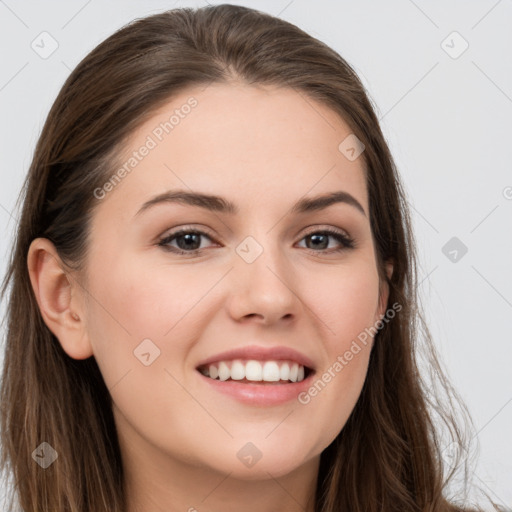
(267, 280)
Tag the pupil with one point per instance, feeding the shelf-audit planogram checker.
(313, 237)
(188, 237)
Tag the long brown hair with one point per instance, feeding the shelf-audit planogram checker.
(388, 457)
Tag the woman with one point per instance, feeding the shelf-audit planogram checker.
(258, 368)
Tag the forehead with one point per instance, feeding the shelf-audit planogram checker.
(249, 143)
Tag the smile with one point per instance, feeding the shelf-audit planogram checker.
(258, 375)
(256, 371)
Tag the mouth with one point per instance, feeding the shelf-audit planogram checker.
(258, 376)
(252, 371)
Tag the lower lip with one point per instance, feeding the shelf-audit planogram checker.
(262, 394)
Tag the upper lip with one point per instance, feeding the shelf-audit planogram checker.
(259, 353)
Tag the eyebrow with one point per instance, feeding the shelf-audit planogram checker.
(222, 205)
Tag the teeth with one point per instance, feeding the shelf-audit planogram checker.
(237, 370)
(284, 373)
(294, 371)
(257, 371)
(253, 371)
(271, 371)
(224, 372)
(214, 372)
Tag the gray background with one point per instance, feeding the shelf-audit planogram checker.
(448, 121)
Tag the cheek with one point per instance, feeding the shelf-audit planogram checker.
(133, 300)
(346, 301)
(346, 304)
(349, 350)
(149, 300)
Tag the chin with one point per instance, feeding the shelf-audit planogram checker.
(273, 467)
(250, 463)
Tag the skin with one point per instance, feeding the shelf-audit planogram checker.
(263, 149)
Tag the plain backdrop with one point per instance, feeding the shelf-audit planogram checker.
(440, 76)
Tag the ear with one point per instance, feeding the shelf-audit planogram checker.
(59, 297)
(384, 292)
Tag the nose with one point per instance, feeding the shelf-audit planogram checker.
(264, 289)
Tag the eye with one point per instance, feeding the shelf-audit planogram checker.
(318, 239)
(188, 241)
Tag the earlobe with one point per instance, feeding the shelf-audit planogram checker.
(389, 269)
(58, 298)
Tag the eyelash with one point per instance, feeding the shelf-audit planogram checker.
(346, 241)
